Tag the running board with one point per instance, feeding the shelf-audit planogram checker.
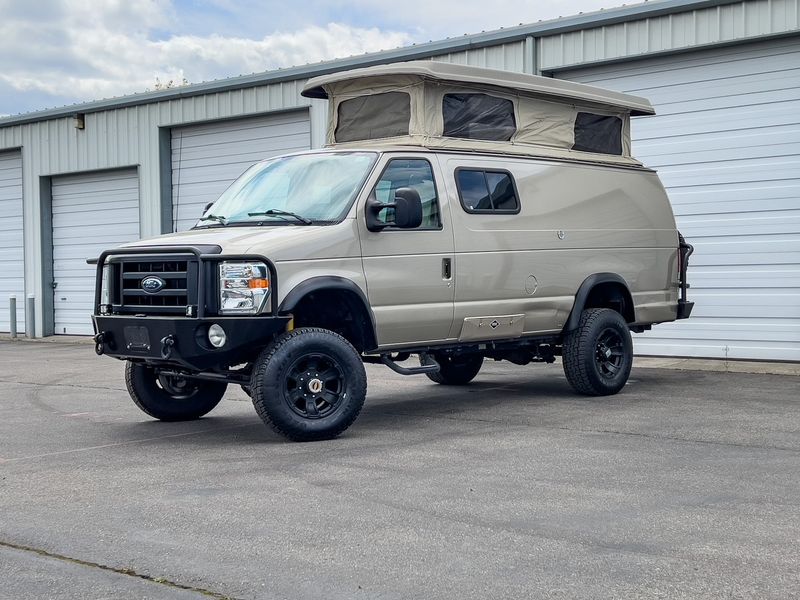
(429, 364)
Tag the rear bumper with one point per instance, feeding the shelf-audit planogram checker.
(183, 342)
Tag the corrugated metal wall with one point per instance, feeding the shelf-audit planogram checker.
(514, 56)
(671, 32)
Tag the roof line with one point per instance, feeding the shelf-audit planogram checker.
(415, 52)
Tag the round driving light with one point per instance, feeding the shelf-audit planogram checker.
(216, 335)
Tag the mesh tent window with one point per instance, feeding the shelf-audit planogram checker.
(373, 117)
(478, 117)
(598, 133)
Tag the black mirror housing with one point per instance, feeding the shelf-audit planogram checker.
(407, 211)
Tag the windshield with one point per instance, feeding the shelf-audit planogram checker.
(298, 190)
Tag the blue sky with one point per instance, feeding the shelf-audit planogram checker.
(58, 52)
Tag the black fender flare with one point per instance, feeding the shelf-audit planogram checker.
(583, 294)
(331, 282)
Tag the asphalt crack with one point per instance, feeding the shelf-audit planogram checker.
(119, 571)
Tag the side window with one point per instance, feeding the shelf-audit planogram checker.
(484, 191)
(410, 173)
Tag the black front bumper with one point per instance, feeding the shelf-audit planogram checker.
(183, 342)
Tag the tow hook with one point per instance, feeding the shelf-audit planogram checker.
(99, 340)
(167, 343)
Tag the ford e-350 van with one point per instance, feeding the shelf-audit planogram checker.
(457, 214)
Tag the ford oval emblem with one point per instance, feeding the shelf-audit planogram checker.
(153, 284)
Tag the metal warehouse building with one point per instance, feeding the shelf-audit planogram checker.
(724, 77)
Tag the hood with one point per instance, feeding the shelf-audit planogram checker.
(276, 242)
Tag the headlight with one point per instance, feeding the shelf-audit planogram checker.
(105, 290)
(243, 287)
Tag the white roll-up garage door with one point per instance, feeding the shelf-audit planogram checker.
(12, 274)
(726, 143)
(207, 158)
(92, 212)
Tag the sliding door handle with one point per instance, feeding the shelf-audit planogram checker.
(447, 268)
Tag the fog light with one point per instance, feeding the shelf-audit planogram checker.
(216, 335)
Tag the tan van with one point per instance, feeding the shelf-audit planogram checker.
(457, 214)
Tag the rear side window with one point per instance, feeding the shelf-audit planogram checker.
(478, 117)
(373, 117)
(598, 133)
(486, 191)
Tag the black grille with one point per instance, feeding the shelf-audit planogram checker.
(178, 276)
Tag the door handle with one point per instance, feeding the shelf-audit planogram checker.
(447, 268)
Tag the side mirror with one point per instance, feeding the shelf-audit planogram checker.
(407, 211)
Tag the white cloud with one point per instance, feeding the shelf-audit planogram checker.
(95, 54)
(62, 51)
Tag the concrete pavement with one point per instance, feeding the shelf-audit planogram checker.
(686, 485)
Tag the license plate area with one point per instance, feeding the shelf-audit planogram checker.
(137, 338)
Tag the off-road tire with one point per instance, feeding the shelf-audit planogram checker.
(597, 356)
(456, 370)
(282, 378)
(150, 394)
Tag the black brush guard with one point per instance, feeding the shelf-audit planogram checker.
(182, 341)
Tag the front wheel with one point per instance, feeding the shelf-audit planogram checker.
(170, 398)
(310, 384)
(598, 355)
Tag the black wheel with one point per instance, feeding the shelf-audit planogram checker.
(169, 398)
(456, 370)
(598, 355)
(310, 384)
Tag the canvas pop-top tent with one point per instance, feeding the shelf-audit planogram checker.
(448, 106)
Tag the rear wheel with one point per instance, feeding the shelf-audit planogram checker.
(456, 370)
(598, 355)
(171, 398)
(310, 384)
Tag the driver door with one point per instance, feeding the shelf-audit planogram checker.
(409, 272)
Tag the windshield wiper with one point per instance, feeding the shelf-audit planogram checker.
(280, 213)
(217, 218)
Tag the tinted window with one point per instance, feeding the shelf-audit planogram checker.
(373, 117)
(478, 117)
(598, 133)
(486, 191)
(416, 174)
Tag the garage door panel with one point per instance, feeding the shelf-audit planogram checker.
(241, 155)
(753, 100)
(742, 171)
(720, 329)
(748, 224)
(726, 145)
(207, 158)
(748, 89)
(773, 195)
(654, 346)
(12, 274)
(91, 213)
(702, 122)
(733, 61)
(192, 147)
